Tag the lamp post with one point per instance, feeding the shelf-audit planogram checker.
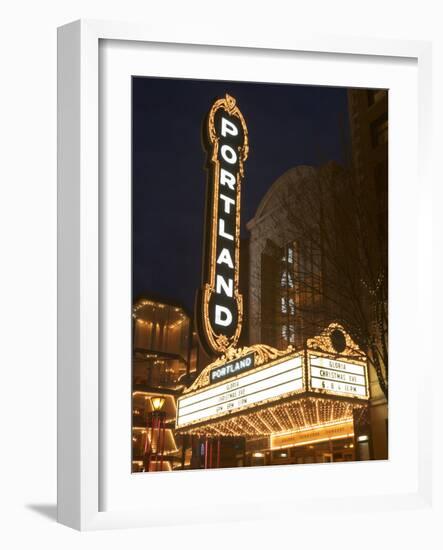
(155, 444)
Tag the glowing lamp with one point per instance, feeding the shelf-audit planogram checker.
(157, 403)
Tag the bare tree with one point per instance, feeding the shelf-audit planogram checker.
(325, 259)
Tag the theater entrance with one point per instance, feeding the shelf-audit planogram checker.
(340, 450)
(321, 445)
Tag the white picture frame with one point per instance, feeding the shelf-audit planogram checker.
(82, 416)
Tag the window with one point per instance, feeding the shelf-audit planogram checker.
(283, 308)
(287, 305)
(297, 270)
(290, 255)
(288, 333)
(286, 279)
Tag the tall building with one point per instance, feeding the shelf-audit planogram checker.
(290, 273)
(368, 117)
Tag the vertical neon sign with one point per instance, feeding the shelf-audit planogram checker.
(220, 304)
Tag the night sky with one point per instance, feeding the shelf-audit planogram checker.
(288, 125)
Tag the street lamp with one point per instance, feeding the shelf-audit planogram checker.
(155, 444)
(157, 403)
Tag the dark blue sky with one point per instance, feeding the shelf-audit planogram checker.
(288, 125)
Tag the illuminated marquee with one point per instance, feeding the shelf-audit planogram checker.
(220, 305)
(334, 376)
(266, 384)
(259, 390)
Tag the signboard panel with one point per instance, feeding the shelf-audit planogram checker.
(249, 389)
(338, 377)
(329, 374)
(220, 303)
(233, 368)
(338, 387)
(317, 433)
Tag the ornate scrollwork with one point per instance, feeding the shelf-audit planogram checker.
(263, 354)
(324, 342)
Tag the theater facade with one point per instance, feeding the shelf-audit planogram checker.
(291, 406)
(261, 374)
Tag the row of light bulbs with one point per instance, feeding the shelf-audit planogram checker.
(306, 413)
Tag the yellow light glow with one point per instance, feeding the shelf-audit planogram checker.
(165, 465)
(315, 434)
(219, 342)
(157, 403)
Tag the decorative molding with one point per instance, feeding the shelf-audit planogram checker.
(323, 343)
(263, 354)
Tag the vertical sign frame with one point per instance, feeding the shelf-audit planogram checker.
(219, 303)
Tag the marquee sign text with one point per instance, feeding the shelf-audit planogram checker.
(338, 377)
(233, 368)
(255, 388)
(220, 305)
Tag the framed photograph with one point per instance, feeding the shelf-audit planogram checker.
(234, 286)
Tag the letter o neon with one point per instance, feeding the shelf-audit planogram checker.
(228, 154)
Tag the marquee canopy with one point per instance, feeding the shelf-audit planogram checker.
(259, 390)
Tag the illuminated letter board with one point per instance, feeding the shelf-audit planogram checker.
(220, 304)
(339, 377)
(267, 384)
